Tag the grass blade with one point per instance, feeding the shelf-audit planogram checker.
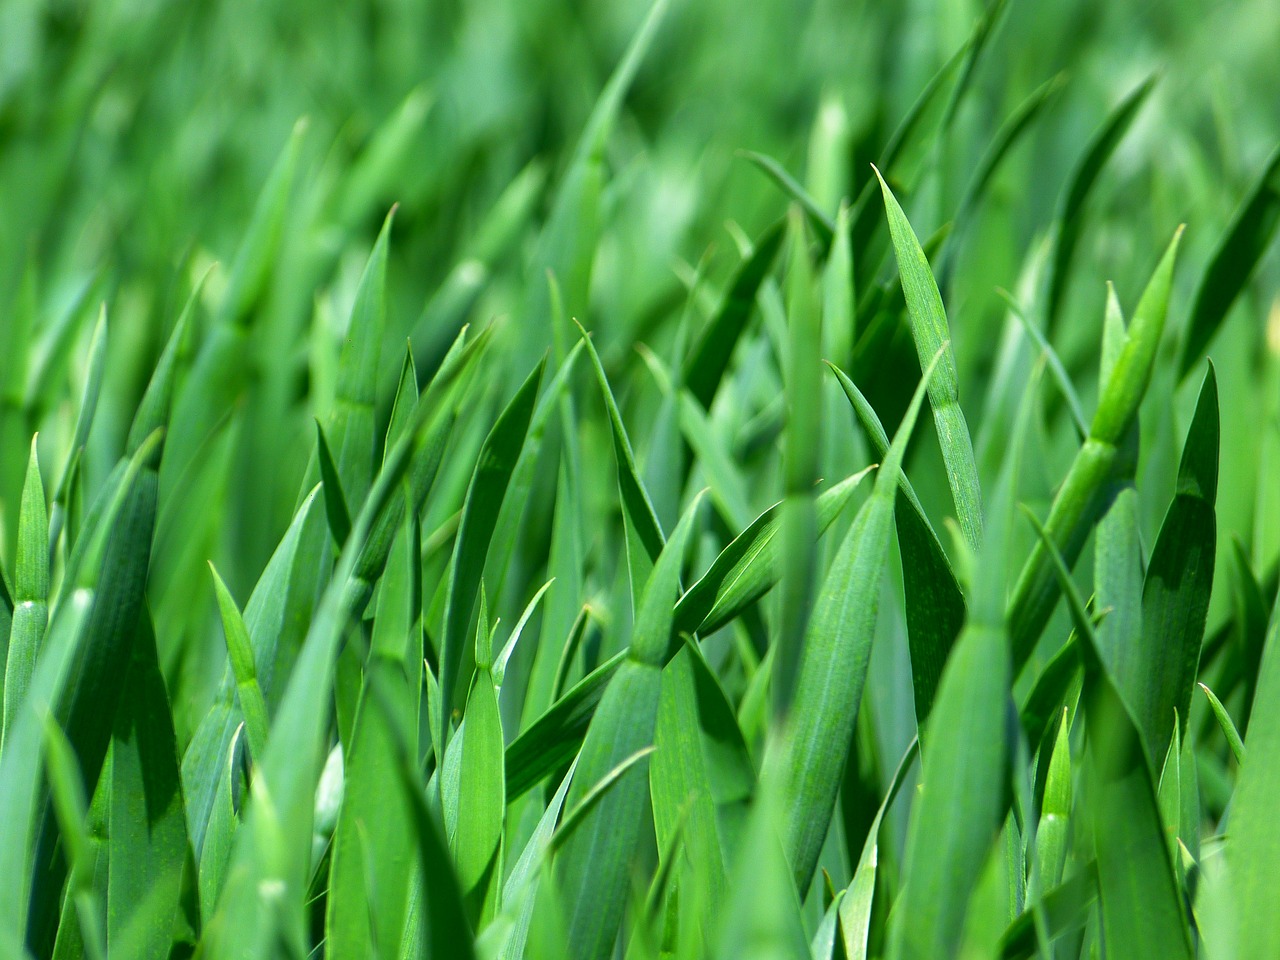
(930, 333)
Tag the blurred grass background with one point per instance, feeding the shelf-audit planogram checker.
(135, 137)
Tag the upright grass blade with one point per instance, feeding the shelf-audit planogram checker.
(935, 604)
(96, 370)
(148, 825)
(1142, 909)
(1175, 596)
(594, 864)
(273, 846)
(1253, 846)
(644, 533)
(478, 841)
(1084, 495)
(30, 593)
(73, 817)
(265, 615)
(930, 333)
(372, 860)
(1240, 248)
(1080, 183)
(966, 754)
(488, 486)
(243, 667)
(808, 758)
(802, 445)
(1234, 740)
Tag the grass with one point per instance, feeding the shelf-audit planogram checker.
(668, 480)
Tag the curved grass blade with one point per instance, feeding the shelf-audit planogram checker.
(935, 604)
(930, 333)
(808, 760)
(1085, 493)
(819, 221)
(636, 504)
(1070, 213)
(1229, 731)
(1238, 252)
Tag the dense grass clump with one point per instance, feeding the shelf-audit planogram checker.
(704, 480)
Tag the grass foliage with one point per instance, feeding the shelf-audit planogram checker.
(692, 480)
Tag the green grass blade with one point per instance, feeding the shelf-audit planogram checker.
(477, 843)
(707, 363)
(240, 655)
(1083, 495)
(485, 493)
(935, 604)
(73, 816)
(802, 442)
(335, 500)
(1175, 596)
(147, 823)
(30, 592)
(819, 220)
(270, 604)
(1241, 247)
(929, 331)
(1142, 908)
(809, 758)
(594, 864)
(1253, 846)
(1080, 183)
(1234, 741)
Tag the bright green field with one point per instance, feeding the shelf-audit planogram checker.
(535, 479)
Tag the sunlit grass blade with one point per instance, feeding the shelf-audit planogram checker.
(1240, 248)
(930, 332)
(809, 754)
